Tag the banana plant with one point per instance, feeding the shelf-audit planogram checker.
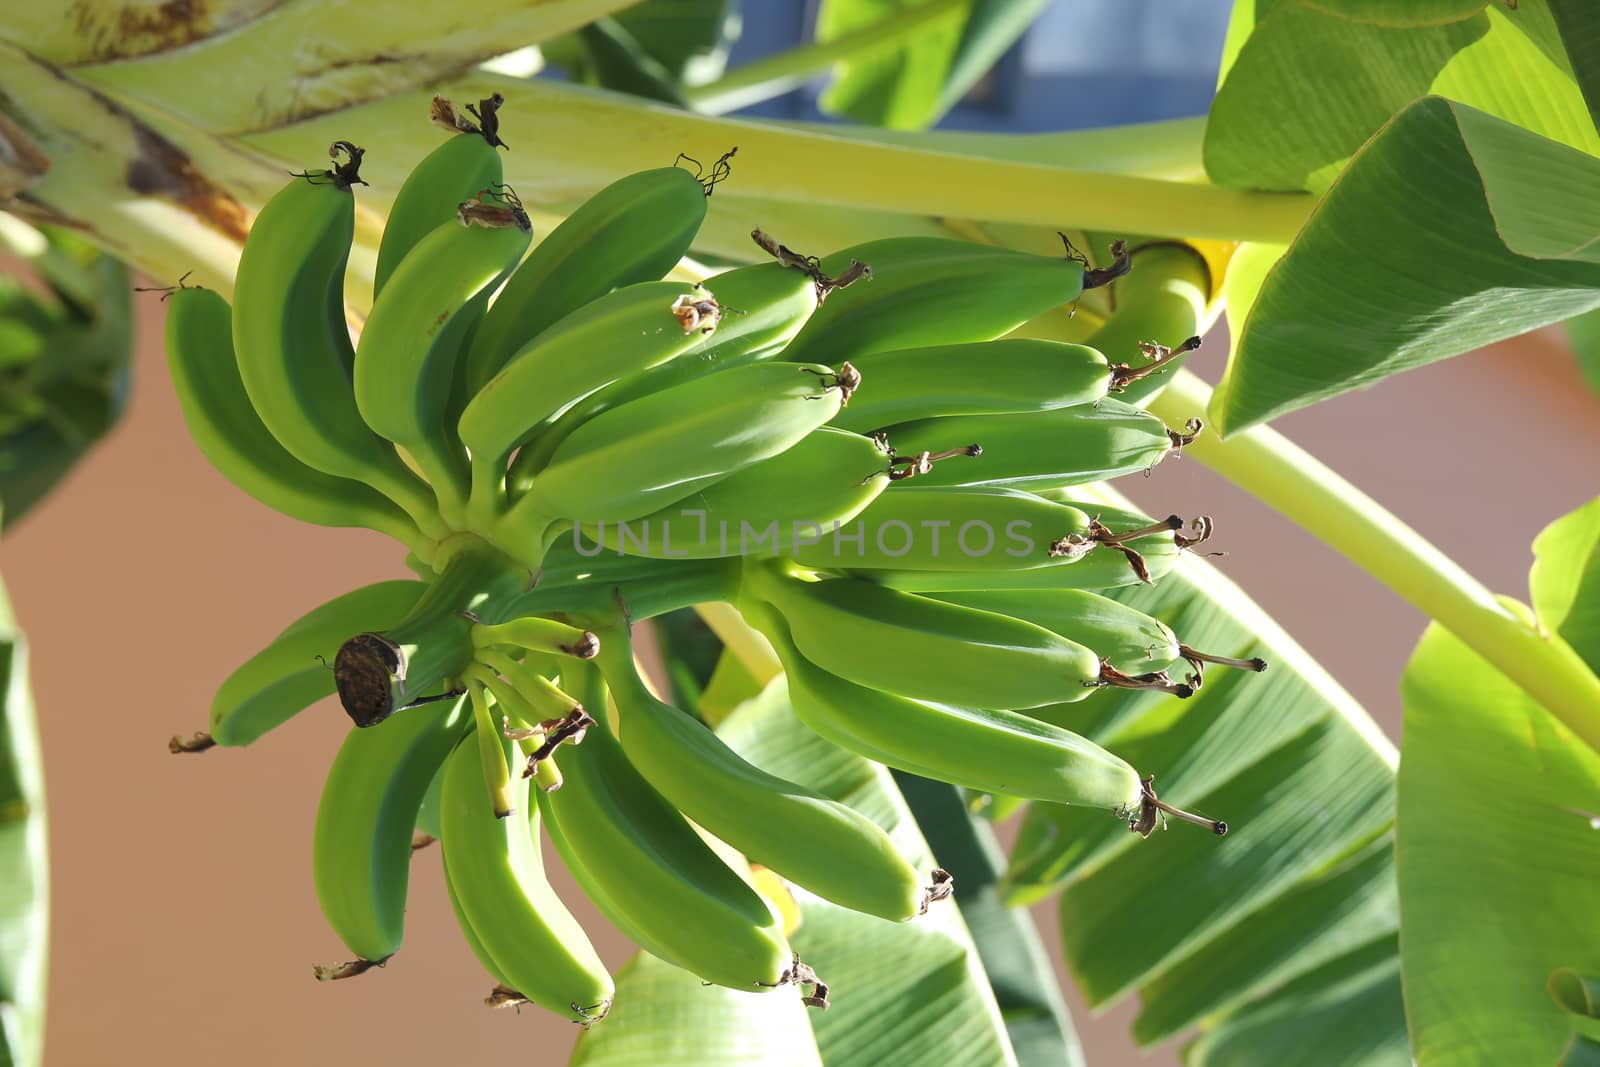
(1376, 187)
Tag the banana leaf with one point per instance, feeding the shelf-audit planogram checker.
(1207, 930)
(24, 886)
(1498, 805)
(1312, 82)
(1565, 581)
(903, 993)
(64, 364)
(666, 1017)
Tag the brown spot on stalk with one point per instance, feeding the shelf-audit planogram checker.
(586, 647)
(420, 840)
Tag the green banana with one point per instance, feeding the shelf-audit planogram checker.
(406, 360)
(762, 308)
(1142, 559)
(292, 672)
(1043, 449)
(989, 751)
(634, 230)
(294, 349)
(770, 507)
(648, 870)
(934, 291)
(361, 858)
(655, 451)
(457, 170)
(233, 438)
(468, 934)
(613, 336)
(497, 876)
(934, 528)
(925, 649)
(1163, 299)
(1124, 635)
(982, 378)
(818, 843)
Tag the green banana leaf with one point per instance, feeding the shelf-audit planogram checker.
(689, 38)
(911, 83)
(1209, 931)
(1498, 857)
(1313, 81)
(64, 360)
(666, 1017)
(1449, 230)
(1578, 22)
(1565, 580)
(1008, 943)
(24, 888)
(1583, 334)
(614, 58)
(909, 993)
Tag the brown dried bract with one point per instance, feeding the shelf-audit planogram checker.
(199, 741)
(1151, 810)
(571, 729)
(1160, 357)
(365, 671)
(337, 972)
(420, 840)
(503, 996)
(720, 170)
(502, 210)
(697, 312)
(846, 379)
(1159, 681)
(942, 886)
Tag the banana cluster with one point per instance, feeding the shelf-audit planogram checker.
(850, 449)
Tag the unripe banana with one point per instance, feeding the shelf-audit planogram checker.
(468, 934)
(362, 854)
(613, 336)
(658, 450)
(818, 843)
(934, 528)
(1122, 634)
(983, 378)
(648, 870)
(497, 875)
(931, 291)
(406, 360)
(769, 508)
(292, 672)
(989, 751)
(1043, 449)
(926, 649)
(294, 349)
(1163, 299)
(1101, 568)
(634, 230)
(228, 431)
(457, 170)
(762, 308)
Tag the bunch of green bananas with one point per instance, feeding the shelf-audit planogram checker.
(849, 449)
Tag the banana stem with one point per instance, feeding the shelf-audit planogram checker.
(780, 72)
(1269, 466)
(747, 645)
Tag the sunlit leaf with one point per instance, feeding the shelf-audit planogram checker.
(1308, 88)
(1202, 927)
(1014, 958)
(1450, 230)
(903, 993)
(1565, 581)
(1497, 861)
(666, 1017)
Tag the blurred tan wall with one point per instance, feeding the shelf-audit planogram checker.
(185, 924)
